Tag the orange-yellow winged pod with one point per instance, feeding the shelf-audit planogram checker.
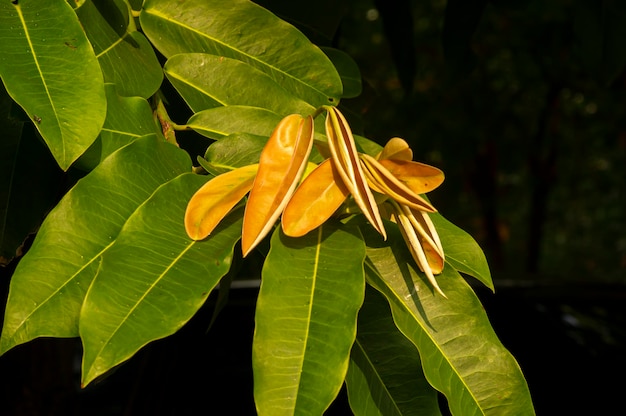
(281, 166)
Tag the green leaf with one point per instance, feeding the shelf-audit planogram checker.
(125, 55)
(128, 118)
(246, 32)
(233, 151)
(385, 374)
(461, 250)
(461, 355)
(219, 122)
(348, 71)
(75, 234)
(30, 181)
(207, 81)
(40, 44)
(172, 276)
(311, 290)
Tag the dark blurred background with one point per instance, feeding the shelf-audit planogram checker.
(523, 105)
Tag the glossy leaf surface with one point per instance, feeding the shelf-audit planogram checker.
(219, 122)
(281, 166)
(126, 57)
(76, 233)
(207, 81)
(216, 198)
(385, 375)
(234, 151)
(320, 194)
(40, 44)
(461, 355)
(268, 43)
(345, 157)
(306, 319)
(153, 279)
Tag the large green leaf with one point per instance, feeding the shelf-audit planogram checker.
(385, 374)
(349, 72)
(461, 355)
(246, 32)
(153, 279)
(462, 251)
(128, 118)
(207, 81)
(49, 284)
(40, 44)
(219, 122)
(311, 290)
(125, 55)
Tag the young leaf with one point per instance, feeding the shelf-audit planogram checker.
(75, 234)
(462, 356)
(315, 200)
(215, 199)
(311, 290)
(282, 164)
(385, 375)
(40, 43)
(346, 160)
(246, 32)
(171, 278)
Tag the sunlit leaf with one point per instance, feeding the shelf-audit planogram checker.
(215, 199)
(461, 355)
(418, 177)
(172, 276)
(75, 234)
(125, 55)
(385, 375)
(40, 44)
(246, 32)
(219, 122)
(207, 81)
(315, 200)
(306, 319)
(346, 159)
(462, 251)
(233, 151)
(382, 181)
(397, 149)
(281, 166)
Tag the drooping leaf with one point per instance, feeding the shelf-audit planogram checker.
(385, 376)
(281, 166)
(418, 177)
(219, 122)
(461, 355)
(215, 199)
(125, 55)
(311, 290)
(172, 276)
(315, 200)
(346, 159)
(74, 235)
(383, 181)
(207, 81)
(30, 181)
(249, 33)
(128, 118)
(40, 43)
(462, 251)
(234, 151)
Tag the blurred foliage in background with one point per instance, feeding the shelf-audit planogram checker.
(523, 105)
